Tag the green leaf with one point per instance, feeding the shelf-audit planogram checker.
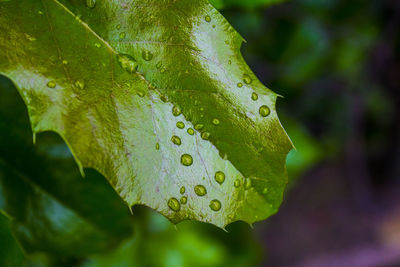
(116, 78)
(11, 253)
(53, 209)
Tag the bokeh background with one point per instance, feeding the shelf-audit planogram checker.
(337, 65)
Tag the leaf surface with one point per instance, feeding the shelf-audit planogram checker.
(156, 96)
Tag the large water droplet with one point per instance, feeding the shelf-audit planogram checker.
(215, 205)
(264, 111)
(190, 131)
(51, 84)
(173, 204)
(219, 177)
(176, 140)
(180, 125)
(200, 190)
(207, 18)
(247, 79)
(182, 190)
(127, 62)
(254, 96)
(183, 200)
(90, 3)
(186, 160)
(147, 55)
(176, 111)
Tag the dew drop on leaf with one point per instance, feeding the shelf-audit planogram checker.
(65, 62)
(158, 146)
(122, 35)
(176, 140)
(247, 79)
(180, 125)
(186, 160)
(97, 45)
(207, 18)
(176, 111)
(236, 183)
(200, 190)
(240, 85)
(182, 190)
(141, 94)
(127, 62)
(190, 131)
(198, 126)
(265, 190)
(80, 84)
(247, 183)
(254, 96)
(118, 26)
(215, 205)
(147, 55)
(219, 177)
(173, 204)
(205, 135)
(51, 84)
(90, 3)
(215, 121)
(264, 111)
(183, 200)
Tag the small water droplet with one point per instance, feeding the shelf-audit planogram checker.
(265, 190)
(183, 200)
(127, 62)
(176, 140)
(186, 160)
(207, 18)
(226, 42)
(230, 62)
(264, 111)
(205, 135)
(215, 121)
(159, 65)
(122, 35)
(51, 84)
(65, 62)
(237, 183)
(141, 94)
(40, 12)
(198, 126)
(98, 45)
(247, 183)
(163, 70)
(164, 98)
(247, 79)
(180, 125)
(173, 204)
(80, 84)
(215, 205)
(158, 146)
(254, 96)
(176, 111)
(190, 131)
(182, 190)
(240, 85)
(118, 26)
(200, 190)
(213, 26)
(90, 3)
(219, 177)
(147, 55)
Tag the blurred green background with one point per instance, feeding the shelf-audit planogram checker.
(336, 62)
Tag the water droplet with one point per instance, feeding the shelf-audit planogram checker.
(215, 121)
(213, 26)
(158, 146)
(180, 125)
(147, 55)
(141, 94)
(226, 42)
(219, 177)
(190, 131)
(200, 190)
(254, 96)
(265, 190)
(240, 85)
(186, 160)
(128, 63)
(51, 84)
(207, 18)
(205, 135)
(40, 12)
(215, 205)
(65, 62)
(247, 183)
(118, 26)
(80, 84)
(176, 111)
(247, 79)
(264, 111)
(182, 190)
(159, 65)
(122, 35)
(230, 62)
(198, 126)
(173, 204)
(176, 140)
(163, 70)
(183, 200)
(98, 45)
(90, 3)
(237, 183)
